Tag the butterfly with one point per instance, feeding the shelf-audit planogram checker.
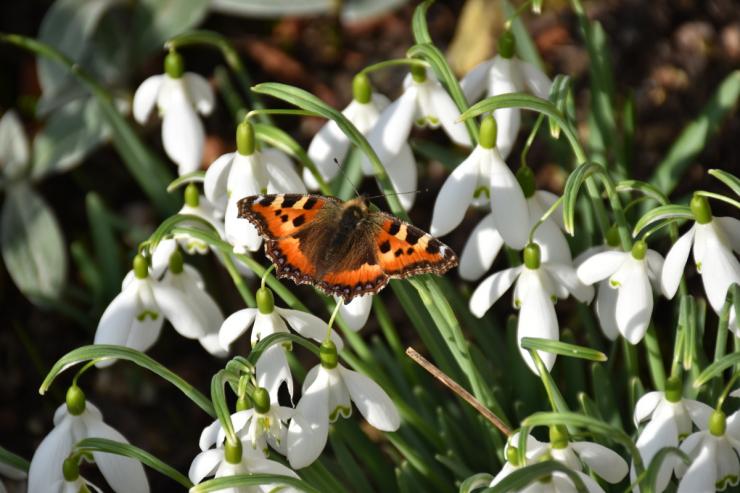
(342, 248)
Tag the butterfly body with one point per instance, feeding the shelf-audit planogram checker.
(343, 248)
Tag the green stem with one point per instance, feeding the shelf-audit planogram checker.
(544, 217)
(717, 196)
(408, 62)
(271, 111)
(238, 280)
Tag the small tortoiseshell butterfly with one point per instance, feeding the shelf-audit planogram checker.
(342, 248)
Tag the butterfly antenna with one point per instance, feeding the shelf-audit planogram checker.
(421, 190)
(346, 177)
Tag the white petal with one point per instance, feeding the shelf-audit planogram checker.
(566, 276)
(200, 92)
(209, 435)
(235, 325)
(634, 304)
(654, 262)
(603, 461)
(46, 464)
(508, 204)
(481, 249)
(328, 144)
(701, 475)
(371, 400)
(475, 81)
(394, 125)
(14, 149)
(728, 466)
(699, 412)
(730, 226)
(145, 97)
(448, 114)
(535, 79)
(356, 312)
(456, 194)
(190, 310)
(309, 326)
(143, 334)
(674, 264)
(115, 324)
(265, 466)
(537, 319)
(720, 269)
(402, 174)
(205, 464)
(121, 473)
(283, 176)
(503, 80)
(272, 370)
(309, 427)
(183, 136)
(600, 266)
(214, 185)
(660, 432)
(646, 405)
(553, 245)
(606, 310)
(491, 290)
(161, 256)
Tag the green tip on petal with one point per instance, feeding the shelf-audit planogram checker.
(70, 469)
(192, 195)
(419, 73)
(488, 131)
(559, 437)
(233, 452)
(177, 263)
(525, 177)
(362, 90)
(261, 398)
(639, 249)
(512, 456)
(700, 209)
(245, 142)
(531, 256)
(75, 400)
(174, 65)
(141, 267)
(265, 300)
(328, 354)
(612, 236)
(673, 389)
(506, 44)
(717, 423)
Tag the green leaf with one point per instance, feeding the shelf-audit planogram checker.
(563, 348)
(32, 244)
(662, 213)
(155, 21)
(521, 477)
(694, 137)
(572, 188)
(105, 244)
(13, 460)
(244, 480)
(644, 188)
(277, 338)
(133, 452)
(727, 178)
(107, 351)
(562, 97)
(419, 23)
(475, 481)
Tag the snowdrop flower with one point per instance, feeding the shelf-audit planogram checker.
(235, 459)
(713, 453)
(330, 143)
(501, 75)
(670, 421)
(713, 239)
(356, 312)
(258, 426)
(630, 273)
(15, 154)
(538, 284)
(272, 366)
(74, 421)
(134, 318)
(484, 170)
(71, 481)
(485, 241)
(179, 96)
(248, 171)
(328, 391)
(535, 449)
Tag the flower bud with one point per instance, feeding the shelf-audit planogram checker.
(71, 468)
(612, 236)
(639, 249)
(673, 389)
(328, 355)
(261, 399)
(245, 143)
(488, 131)
(362, 90)
(506, 44)
(75, 400)
(265, 300)
(525, 177)
(233, 452)
(531, 256)
(176, 263)
(717, 423)
(174, 65)
(559, 437)
(419, 73)
(700, 209)
(141, 267)
(191, 195)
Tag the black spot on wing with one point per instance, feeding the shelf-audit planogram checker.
(413, 235)
(398, 252)
(395, 228)
(385, 247)
(299, 220)
(310, 203)
(290, 200)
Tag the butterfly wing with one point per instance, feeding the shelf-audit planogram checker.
(282, 215)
